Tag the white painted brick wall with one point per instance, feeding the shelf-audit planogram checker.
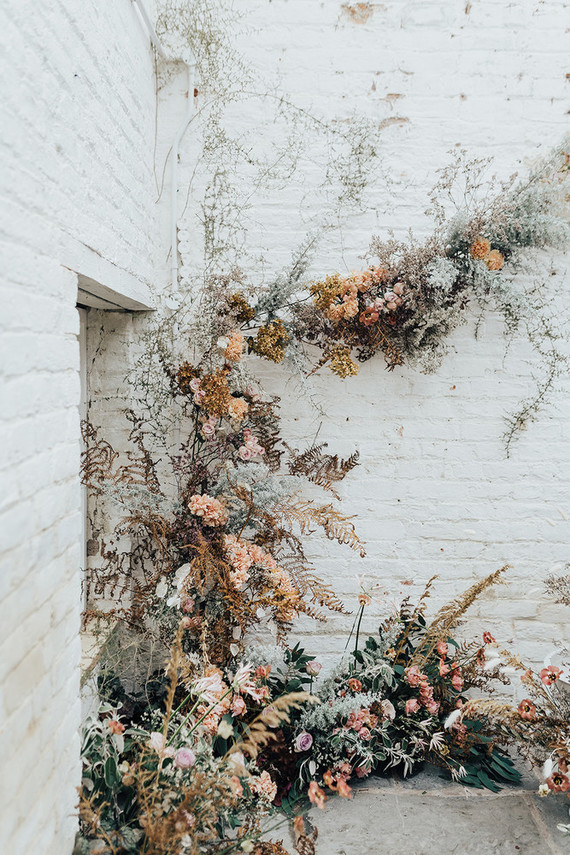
(434, 493)
(76, 170)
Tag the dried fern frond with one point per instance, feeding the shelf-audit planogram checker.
(263, 414)
(447, 617)
(410, 619)
(98, 461)
(382, 339)
(306, 514)
(320, 592)
(306, 844)
(270, 848)
(261, 731)
(320, 468)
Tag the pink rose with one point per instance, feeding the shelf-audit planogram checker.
(432, 707)
(188, 605)
(245, 453)
(457, 682)
(412, 706)
(303, 742)
(184, 758)
(398, 288)
(364, 734)
(313, 667)
(195, 385)
(208, 429)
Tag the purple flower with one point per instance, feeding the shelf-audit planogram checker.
(184, 758)
(303, 741)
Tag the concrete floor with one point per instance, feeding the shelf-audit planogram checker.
(431, 816)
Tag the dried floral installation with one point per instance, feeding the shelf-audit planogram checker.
(212, 727)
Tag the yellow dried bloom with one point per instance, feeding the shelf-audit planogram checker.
(340, 362)
(480, 248)
(241, 308)
(217, 397)
(325, 292)
(494, 260)
(185, 374)
(271, 341)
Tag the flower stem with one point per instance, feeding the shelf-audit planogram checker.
(358, 627)
(202, 717)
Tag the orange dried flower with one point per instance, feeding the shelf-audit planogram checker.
(494, 260)
(238, 409)
(550, 675)
(235, 347)
(316, 795)
(343, 789)
(558, 783)
(335, 312)
(480, 248)
(350, 308)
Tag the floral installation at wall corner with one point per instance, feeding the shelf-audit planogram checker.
(206, 738)
(211, 731)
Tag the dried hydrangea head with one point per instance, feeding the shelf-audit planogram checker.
(184, 376)
(494, 260)
(241, 308)
(217, 397)
(271, 341)
(340, 362)
(325, 292)
(480, 248)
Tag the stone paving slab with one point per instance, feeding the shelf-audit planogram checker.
(431, 816)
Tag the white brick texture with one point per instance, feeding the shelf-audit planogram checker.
(76, 169)
(434, 493)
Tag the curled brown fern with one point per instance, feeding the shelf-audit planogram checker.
(320, 468)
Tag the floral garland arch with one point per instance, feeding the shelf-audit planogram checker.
(195, 756)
